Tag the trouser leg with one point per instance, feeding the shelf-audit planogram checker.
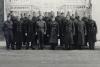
(7, 40)
(91, 45)
(18, 45)
(12, 45)
(53, 46)
(41, 41)
(61, 41)
(33, 43)
(27, 45)
(66, 45)
(27, 41)
(45, 40)
(7, 44)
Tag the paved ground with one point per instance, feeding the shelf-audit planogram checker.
(49, 58)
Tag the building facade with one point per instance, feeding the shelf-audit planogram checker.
(82, 7)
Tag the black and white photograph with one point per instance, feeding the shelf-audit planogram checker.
(49, 33)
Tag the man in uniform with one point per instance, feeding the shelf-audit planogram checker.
(81, 31)
(85, 20)
(68, 32)
(91, 33)
(41, 31)
(13, 19)
(59, 19)
(53, 34)
(33, 30)
(25, 30)
(47, 36)
(73, 22)
(19, 34)
(8, 32)
(22, 24)
(61, 28)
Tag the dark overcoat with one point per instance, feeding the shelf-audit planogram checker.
(91, 31)
(31, 30)
(19, 31)
(41, 29)
(46, 19)
(8, 31)
(68, 32)
(54, 32)
(81, 33)
(59, 21)
(25, 29)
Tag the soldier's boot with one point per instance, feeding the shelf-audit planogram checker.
(66, 47)
(61, 42)
(53, 47)
(78, 46)
(41, 47)
(17, 45)
(41, 44)
(7, 47)
(12, 46)
(32, 45)
(85, 44)
(69, 47)
(27, 45)
(91, 46)
(20, 45)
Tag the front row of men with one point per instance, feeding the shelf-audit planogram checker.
(72, 32)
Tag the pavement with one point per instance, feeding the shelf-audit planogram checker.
(49, 58)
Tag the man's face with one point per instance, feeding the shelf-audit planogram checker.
(73, 16)
(68, 17)
(29, 17)
(40, 17)
(46, 14)
(53, 19)
(52, 13)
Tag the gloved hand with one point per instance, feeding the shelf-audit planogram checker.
(25, 34)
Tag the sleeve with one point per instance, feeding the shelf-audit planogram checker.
(3, 27)
(73, 28)
(45, 27)
(58, 29)
(85, 29)
(36, 27)
(95, 25)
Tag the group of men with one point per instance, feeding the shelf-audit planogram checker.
(71, 32)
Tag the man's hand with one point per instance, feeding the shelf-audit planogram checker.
(25, 34)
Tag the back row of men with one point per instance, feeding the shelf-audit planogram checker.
(71, 31)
